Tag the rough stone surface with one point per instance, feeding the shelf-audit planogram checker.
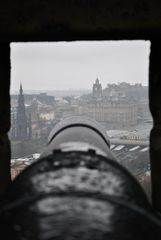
(4, 116)
(5, 177)
(4, 89)
(35, 19)
(155, 107)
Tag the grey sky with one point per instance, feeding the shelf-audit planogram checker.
(74, 65)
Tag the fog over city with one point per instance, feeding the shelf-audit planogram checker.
(105, 81)
(75, 65)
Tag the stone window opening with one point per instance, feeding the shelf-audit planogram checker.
(100, 114)
(112, 20)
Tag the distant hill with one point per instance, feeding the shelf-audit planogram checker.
(56, 93)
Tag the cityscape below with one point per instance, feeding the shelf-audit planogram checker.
(121, 108)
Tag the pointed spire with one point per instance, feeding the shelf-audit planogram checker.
(21, 116)
(97, 80)
(21, 90)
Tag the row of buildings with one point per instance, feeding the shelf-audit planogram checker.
(31, 115)
(117, 106)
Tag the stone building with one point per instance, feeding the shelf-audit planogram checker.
(21, 123)
(41, 116)
(21, 119)
(115, 114)
(97, 90)
(111, 106)
(135, 92)
(41, 97)
(132, 93)
(143, 110)
(31, 118)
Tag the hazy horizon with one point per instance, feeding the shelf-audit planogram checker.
(55, 90)
(62, 66)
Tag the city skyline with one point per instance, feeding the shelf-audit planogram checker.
(75, 65)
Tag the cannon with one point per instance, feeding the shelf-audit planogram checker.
(77, 190)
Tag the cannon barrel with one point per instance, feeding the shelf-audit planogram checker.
(77, 190)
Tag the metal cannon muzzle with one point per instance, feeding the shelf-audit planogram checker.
(77, 190)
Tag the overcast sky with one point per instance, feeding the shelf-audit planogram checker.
(74, 65)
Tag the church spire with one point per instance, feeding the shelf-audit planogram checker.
(21, 119)
(21, 90)
(97, 90)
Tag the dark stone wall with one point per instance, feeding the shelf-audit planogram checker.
(70, 19)
(155, 107)
(4, 116)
